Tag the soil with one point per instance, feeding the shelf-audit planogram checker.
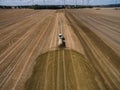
(31, 60)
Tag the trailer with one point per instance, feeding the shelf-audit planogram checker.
(61, 41)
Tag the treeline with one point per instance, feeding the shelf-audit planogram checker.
(58, 6)
(14, 7)
(46, 7)
(110, 5)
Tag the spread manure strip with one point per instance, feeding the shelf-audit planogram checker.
(65, 70)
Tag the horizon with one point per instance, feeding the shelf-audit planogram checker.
(57, 2)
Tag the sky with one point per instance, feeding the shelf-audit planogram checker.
(58, 2)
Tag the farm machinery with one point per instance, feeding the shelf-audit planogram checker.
(61, 41)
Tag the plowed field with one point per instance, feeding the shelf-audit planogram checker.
(31, 60)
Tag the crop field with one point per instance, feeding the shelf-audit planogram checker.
(30, 58)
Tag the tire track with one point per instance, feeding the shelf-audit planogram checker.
(17, 44)
(64, 71)
(58, 66)
(47, 62)
(73, 65)
(29, 58)
(11, 39)
(9, 31)
(8, 69)
(43, 45)
(58, 59)
(103, 72)
(8, 22)
(18, 60)
(110, 38)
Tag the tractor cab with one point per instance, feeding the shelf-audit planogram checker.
(60, 36)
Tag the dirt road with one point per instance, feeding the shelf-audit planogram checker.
(31, 60)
